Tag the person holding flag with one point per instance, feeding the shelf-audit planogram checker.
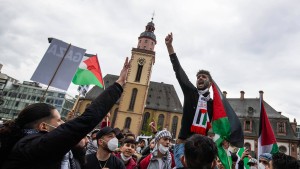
(200, 112)
(38, 138)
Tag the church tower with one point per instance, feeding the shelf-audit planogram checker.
(133, 100)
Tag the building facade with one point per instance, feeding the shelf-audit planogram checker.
(248, 111)
(17, 96)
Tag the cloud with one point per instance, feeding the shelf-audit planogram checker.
(246, 45)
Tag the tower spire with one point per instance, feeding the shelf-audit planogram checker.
(152, 16)
(147, 39)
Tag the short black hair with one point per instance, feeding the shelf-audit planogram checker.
(129, 140)
(281, 160)
(199, 151)
(206, 73)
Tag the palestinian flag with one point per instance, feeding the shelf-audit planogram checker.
(226, 126)
(246, 159)
(266, 138)
(89, 72)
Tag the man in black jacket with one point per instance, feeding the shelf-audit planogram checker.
(47, 139)
(104, 157)
(197, 107)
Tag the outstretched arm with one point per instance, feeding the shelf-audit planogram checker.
(168, 41)
(123, 74)
(181, 76)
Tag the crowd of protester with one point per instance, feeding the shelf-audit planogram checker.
(39, 139)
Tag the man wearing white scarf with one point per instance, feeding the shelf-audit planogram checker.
(197, 107)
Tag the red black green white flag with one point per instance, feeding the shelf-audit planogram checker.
(226, 126)
(89, 72)
(266, 138)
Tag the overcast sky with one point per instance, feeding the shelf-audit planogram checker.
(247, 45)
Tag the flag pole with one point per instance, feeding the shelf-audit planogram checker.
(75, 105)
(43, 97)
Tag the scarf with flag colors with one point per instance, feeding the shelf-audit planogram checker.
(266, 138)
(226, 126)
(201, 121)
(239, 155)
(89, 72)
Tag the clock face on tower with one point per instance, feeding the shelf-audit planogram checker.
(141, 61)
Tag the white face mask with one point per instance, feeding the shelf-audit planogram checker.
(125, 158)
(162, 149)
(50, 126)
(261, 166)
(253, 167)
(112, 144)
(94, 142)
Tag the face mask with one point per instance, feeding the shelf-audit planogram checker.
(125, 158)
(163, 149)
(112, 144)
(50, 126)
(94, 142)
(261, 166)
(253, 167)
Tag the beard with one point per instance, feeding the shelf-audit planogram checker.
(204, 85)
(105, 147)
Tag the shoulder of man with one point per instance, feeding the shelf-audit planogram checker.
(145, 162)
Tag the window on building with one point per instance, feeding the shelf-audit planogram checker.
(114, 118)
(61, 95)
(247, 125)
(25, 89)
(127, 123)
(144, 47)
(23, 96)
(132, 100)
(281, 127)
(250, 109)
(145, 121)
(49, 100)
(17, 103)
(174, 126)
(160, 122)
(13, 94)
(247, 146)
(282, 149)
(146, 41)
(139, 73)
(7, 102)
(33, 97)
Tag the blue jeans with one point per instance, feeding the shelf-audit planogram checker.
(178, 152)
